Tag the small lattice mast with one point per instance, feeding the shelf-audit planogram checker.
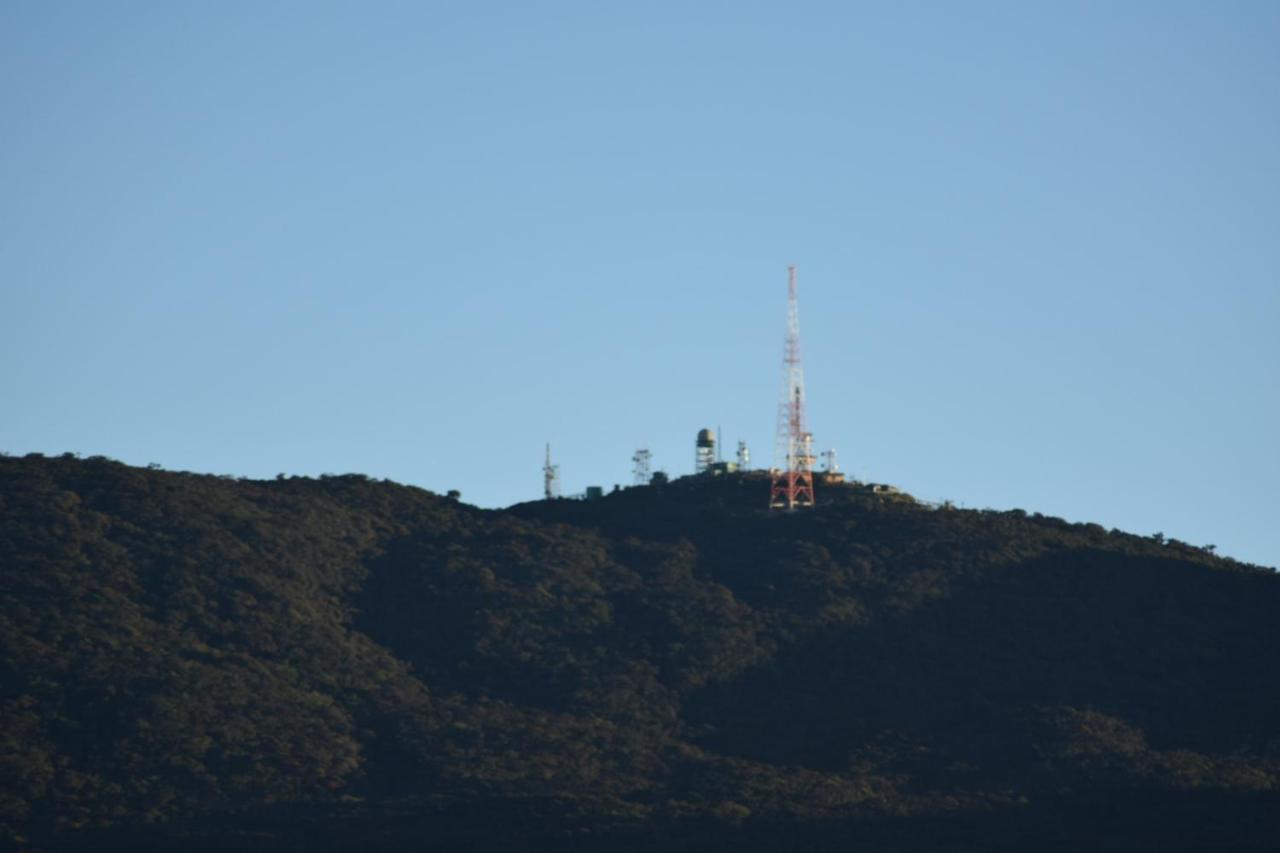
(792, 474)
(641, 471)
(550, 478)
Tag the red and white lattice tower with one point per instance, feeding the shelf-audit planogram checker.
(792, 473)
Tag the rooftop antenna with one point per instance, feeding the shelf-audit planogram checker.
(550, 477)
(641, 470)
(791, 480)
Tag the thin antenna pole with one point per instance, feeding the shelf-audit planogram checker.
(550, 477)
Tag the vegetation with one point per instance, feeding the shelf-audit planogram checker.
(199, 662)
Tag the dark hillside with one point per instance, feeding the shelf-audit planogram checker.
(206, 663)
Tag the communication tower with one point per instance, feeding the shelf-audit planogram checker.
(792, 474)
(744, 456)
(641, 460)
(550, 477)
(704, 451)
(831, 474)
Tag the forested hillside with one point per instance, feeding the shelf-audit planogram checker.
(194, 662)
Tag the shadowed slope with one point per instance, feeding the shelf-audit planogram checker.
(303, 659)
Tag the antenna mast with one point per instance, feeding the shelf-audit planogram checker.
(792, 474)
(641, 471)
(550, 478)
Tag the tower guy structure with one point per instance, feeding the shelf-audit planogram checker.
(791, 479)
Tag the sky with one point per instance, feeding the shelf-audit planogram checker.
(1038, 244)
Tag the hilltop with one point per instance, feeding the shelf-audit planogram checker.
(199, 662)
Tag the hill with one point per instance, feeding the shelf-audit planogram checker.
(199, 662)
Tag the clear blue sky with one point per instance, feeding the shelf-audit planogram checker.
(1039, 243)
